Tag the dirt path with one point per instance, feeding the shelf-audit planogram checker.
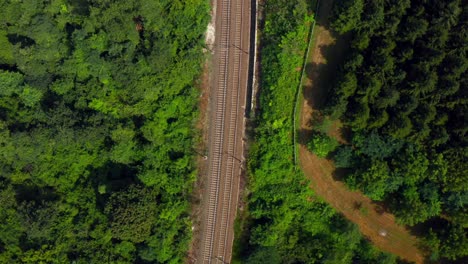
(375, 224)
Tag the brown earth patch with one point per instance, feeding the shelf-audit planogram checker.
(373, 221)
(200, 149)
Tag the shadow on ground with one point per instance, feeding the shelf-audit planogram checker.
(324, 74)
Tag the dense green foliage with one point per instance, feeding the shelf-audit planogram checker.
(322, 145)
(97, 105)
(403, 94)
(286, 224)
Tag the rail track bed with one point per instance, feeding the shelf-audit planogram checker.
(227, 126)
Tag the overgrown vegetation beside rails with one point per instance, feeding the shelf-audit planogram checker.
(402, 93)
(97, 105)
(286, 224)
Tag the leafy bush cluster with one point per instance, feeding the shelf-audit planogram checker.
(402, 93)
(322, 145)
(96, 114)
(286, 224)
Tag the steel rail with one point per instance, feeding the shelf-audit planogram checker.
(226, 123)
(218, 142)
(234, 116)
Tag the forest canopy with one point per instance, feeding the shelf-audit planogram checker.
(97, 106)
(402, 93)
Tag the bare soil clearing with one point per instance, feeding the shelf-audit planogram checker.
(374, 223)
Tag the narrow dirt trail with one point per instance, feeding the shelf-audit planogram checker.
(375, 224)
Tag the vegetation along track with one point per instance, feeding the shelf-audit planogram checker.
(225, 157)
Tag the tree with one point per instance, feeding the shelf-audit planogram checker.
(347, 15)
(6, 53)
(41, 220)
(127, 250)
(412, 208)
(269, 254)
(345, 157)
(388, 97)
(322, 145)
(399, 126)
(358, 113)
(372, 181)
(373, 15)
(379, 119)
(456, 178)
(375, 146)
(30, 96)
(132, 214)
(348, 85)
(413, 28)
(124, 150)
(10, 83)
(450, 242)
(11, 229)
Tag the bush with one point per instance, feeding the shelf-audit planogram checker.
(322, 145)
(345, 157)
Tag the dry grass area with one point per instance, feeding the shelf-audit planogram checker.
(374, 223)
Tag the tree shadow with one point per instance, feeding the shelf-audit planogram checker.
(323, 75)
(345, 133)
(339, 174)
(315, 97)
(304, 136)
(435, 223)
(29, 192)
(331, 47)
(380, 207)
(357, 205)
(80, 7)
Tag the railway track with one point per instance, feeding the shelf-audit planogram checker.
(227, 129)
(232, 139)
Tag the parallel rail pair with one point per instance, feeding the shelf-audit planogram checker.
(216, 175)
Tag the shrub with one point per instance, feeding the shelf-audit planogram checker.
(322, 145)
